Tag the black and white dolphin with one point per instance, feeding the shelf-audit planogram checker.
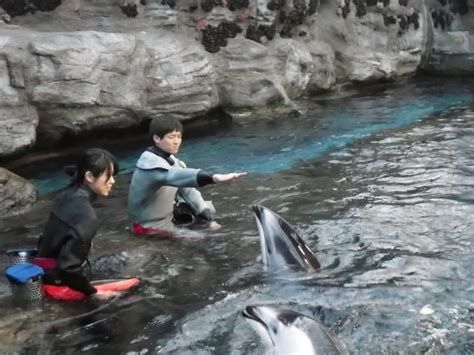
(281, 245)
(287, 332)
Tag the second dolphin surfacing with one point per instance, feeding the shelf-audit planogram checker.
(286, 332)
(281, 245)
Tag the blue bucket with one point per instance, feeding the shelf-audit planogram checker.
(25, 282)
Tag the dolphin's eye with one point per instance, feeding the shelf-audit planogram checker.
(274, 329)
(287, 317)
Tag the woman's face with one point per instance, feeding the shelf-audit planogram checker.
(101, 185)
(170, 142)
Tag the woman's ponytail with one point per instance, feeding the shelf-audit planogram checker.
(95, 160)
(70, 170)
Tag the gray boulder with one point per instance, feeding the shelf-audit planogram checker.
(246, 75)
(18, 118)
(16, 194)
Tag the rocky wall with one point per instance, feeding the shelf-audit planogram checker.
(74, 66)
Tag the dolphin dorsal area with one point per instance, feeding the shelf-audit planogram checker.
(280, 244)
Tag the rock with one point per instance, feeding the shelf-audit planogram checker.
(312, 7)
(59, 123)
(237, 4)
(453, 42)
(213, 38)
(323, 75)
(4, 16)
(295, 65)
(180, 77)
(254, 34)
(15, 7)
(247, 76)
(17, 129)
(366, 66)
(275, 4)
(153, 64)
(18, 119)
(130, 10)
(100, 73)
(44, 5)
(16, 194)
(268, 31)
(207, 5)
(22, 7)
(229, 29)
(369, 48)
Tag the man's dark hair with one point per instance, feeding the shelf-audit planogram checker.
(163, 126)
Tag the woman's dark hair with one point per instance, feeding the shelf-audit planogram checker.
(95, 160)
(163, 126)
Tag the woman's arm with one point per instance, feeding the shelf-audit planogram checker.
(70, 265)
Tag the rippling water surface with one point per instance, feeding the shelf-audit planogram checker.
(379, 184)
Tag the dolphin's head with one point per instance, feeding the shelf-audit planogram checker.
(278, 330)
(280, 244)
(287, 332)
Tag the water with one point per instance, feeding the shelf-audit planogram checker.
(268, 147)
(379, 184)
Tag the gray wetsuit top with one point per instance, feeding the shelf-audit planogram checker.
(157, 180)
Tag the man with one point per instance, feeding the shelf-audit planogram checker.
(160, 179)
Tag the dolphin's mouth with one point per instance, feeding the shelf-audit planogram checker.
(258, 211)
(255, 318)
(250, 313)
(280, 243)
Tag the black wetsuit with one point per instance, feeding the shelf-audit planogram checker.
(67, 238)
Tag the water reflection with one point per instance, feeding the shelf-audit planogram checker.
(389, 217)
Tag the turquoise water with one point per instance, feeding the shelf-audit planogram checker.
(337, 129)
(267, 147)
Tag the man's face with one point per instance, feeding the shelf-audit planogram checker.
(170, 143)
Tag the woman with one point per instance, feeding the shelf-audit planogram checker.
(67, 238)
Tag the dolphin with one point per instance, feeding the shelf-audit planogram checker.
(281, 245)
(287, 332)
